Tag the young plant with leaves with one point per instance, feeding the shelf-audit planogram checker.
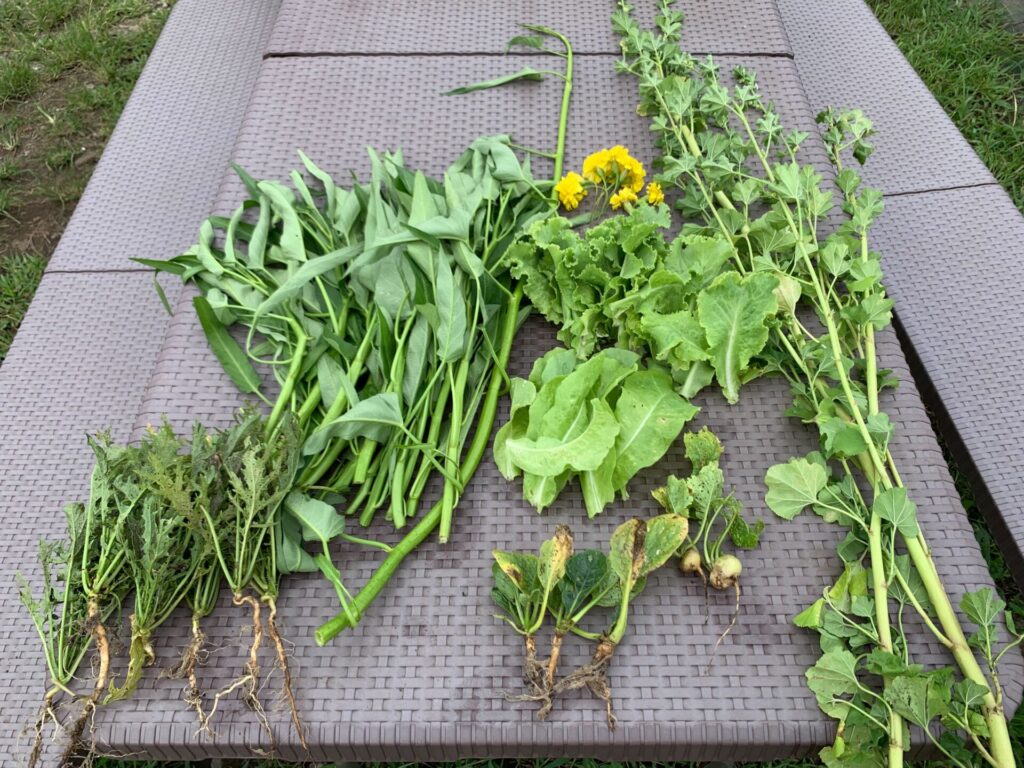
(259, 467)
(567, 586)
(524, 588)
(60, 616)
(161, 546)
(739, 180)
(602, 421)
(636, 549)
(701, 498)
(206, 492)
(103, 581)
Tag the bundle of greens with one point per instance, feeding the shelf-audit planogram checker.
(385, 313)
(568, 586)
(621, 283)
(165, 521)
(601, 421)
(739, 182)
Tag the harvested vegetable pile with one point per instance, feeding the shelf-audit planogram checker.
(162, 525)
(753, 286)
(386, 313)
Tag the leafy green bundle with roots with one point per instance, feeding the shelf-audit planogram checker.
(738, 180)
(566, 586)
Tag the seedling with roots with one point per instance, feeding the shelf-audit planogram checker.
(701, 498)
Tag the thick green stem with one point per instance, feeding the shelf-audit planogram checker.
(294, 369)
(995, 718)
(330, 629)
(451, 482)
(563, 114)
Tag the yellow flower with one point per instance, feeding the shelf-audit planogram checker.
(614, 166)
(654, 193)
(624, 195)
(570, 191)
(598, 161)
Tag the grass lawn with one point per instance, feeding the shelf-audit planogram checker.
(68, 66)
(66, 70)
(968, 55)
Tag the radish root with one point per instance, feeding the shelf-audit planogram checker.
(728, 629)
(99, 635)
(282, 662)
(248, 682)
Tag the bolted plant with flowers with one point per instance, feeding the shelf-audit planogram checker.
(615, 178)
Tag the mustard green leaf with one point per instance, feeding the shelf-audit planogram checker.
(734, 312)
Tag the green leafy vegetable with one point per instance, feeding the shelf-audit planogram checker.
(602, 420)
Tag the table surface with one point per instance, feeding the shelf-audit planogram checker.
(422, 676)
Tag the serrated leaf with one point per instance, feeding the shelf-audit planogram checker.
(743, 535)
(893, 506)
(833, 677)
(794, 486)
(734, 312)
(665, 535)
(920, 698)
(702, 448)
(841, 439)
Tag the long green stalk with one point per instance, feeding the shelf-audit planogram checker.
(488, 412)
(652, 61)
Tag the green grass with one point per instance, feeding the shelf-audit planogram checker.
(66, 69)
(968, 56)
(18, 280)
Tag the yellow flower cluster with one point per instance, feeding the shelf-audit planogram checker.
(615, 166)
(655, 196)
(570, 191)
(624, 195)
(612, 169)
